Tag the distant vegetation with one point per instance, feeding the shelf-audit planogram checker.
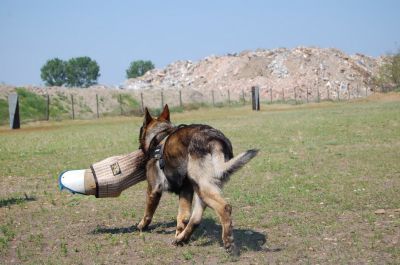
(388, 78)
(76, 72)
(139, 68)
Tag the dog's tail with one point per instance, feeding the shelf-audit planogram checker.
(238, 162)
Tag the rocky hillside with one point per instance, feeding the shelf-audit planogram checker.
(281, 71)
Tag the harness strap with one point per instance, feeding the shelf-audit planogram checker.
(158, 152)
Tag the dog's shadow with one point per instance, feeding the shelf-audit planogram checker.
(207, 233)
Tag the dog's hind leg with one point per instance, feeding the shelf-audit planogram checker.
(194, 221)
(185, 207)
(212, 197)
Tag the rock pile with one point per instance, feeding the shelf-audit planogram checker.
(299, 73)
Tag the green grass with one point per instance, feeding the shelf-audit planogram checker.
(311, 193)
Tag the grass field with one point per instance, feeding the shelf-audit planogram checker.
(325, 189)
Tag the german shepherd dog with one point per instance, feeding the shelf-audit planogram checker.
(193, 161)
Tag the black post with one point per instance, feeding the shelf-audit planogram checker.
(47, 107)
(255, 96)
(180, 99)
(307, 95)
(13, 109)
(97, 106)
(72, 105)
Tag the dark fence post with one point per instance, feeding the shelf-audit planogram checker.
(255, 96)
(141, 101)
(72, 106)
(97, 106)
(13, 109)
(180, 98)
(47, 107)
(307, 95)
(213, 100)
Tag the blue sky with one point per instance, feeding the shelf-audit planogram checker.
(114, 33)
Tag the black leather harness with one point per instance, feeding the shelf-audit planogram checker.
(158, 152)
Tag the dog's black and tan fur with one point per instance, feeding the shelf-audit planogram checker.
(198, 160)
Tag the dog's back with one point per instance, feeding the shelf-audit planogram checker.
(196, 150)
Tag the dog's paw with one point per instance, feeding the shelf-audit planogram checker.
(233, 250)
(178, 243)
(142, 226)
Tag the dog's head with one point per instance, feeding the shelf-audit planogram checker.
(153, 127)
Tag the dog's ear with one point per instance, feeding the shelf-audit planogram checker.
(165, 114)
(147, 117)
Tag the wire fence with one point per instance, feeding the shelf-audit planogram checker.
(80, 104)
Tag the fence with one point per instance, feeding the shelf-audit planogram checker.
(90, 104)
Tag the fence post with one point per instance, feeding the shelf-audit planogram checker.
(47, 107)
(338, 93)
(307, 95)
(180, 98)
(327, 89)
(348, 92)
(141, 100)
(120, 104)
(72, 107)
(366, 91)
(255, 96)
(270, 92)
(97, 105)
(244, 100)
(283, 95)
(229, 97)
(212, 95)
(162, 99)
(318, 95)
(295, 95)
(13, 108)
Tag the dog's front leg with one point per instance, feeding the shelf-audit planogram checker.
(154, 192)
(152, 200)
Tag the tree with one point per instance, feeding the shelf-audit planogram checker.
(388, 77)
(138, 68)
(53, 72)
(82, 72)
